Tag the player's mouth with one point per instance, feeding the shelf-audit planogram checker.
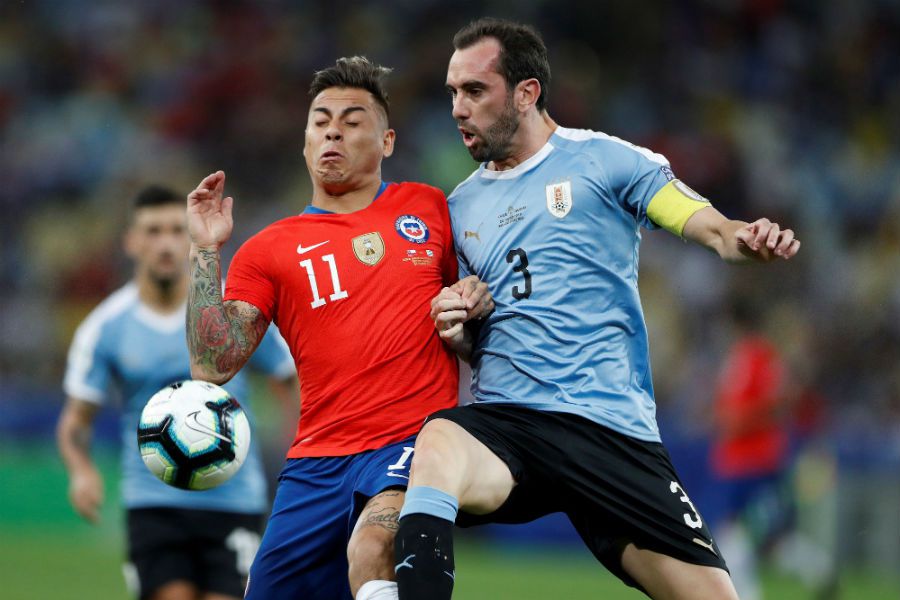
(331, 156)
(468, 137)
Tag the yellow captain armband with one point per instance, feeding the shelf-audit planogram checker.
(673, 205)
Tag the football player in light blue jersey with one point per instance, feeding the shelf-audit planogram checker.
(564, 418)
(181, 544)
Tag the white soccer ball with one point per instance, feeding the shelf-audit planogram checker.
(193, 435)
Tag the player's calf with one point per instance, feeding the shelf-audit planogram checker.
(423, 548)
(370, 552)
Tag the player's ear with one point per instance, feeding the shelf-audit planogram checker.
(388, 142)
(527, 93)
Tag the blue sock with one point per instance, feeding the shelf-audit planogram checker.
(430, 501)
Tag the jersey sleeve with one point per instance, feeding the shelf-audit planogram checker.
(635, 175)
(88, 368)
(249, 278)
(272, 356)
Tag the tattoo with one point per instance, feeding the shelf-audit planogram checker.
(221, 336)
(80, 439)
(386, 518)
(378, 515)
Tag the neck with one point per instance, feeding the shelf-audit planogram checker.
(164, 297)
(343, 199)
(533, 133)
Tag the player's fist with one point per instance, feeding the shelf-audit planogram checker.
(765, 241)
(476, 295)
(209, 215)
(86, 494)
(448, 310)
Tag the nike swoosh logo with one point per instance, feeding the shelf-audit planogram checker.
(389, 474)
(705, 544)
(452, 575)
(192, 422)
(302, 250)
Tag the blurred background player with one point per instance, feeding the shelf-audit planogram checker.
(348, 282)
(182, 545)
(751, 447)
(565, 415)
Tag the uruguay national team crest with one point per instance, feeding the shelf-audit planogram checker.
(369, 248)
(559, 198)
(412, 229)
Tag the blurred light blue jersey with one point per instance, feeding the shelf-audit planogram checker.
(123, 345)
(556, 239)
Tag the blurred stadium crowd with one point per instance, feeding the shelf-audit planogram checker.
(788, 109)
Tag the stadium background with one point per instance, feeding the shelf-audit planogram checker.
(789, 109)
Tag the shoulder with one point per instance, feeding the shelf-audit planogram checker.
(110, 310)
(417, 189)
(463, 186)
(101, 327)
(605, 147)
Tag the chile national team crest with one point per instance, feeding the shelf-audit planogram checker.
(412, 229)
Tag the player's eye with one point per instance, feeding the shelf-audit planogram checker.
(321, 123)
(351, 123)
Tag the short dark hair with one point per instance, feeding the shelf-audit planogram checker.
(523, 54)
(353, 72)
(156, 195)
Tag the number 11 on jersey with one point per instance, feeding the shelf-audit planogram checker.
(338, 294)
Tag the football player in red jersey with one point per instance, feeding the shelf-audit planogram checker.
(349, 283)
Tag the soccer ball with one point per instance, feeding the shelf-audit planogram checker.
(193, 435)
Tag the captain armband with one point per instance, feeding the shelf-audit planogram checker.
(673, 205)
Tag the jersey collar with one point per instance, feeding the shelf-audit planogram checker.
(313, 210)
(520, 168)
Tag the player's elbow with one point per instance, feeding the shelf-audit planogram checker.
(204, 373)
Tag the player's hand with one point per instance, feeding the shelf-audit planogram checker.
(448, 310)
(476, 295)
(209, 215)
(766, 241)
(86, 494)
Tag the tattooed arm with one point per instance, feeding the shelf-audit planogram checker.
(73, 437)
(221, 335)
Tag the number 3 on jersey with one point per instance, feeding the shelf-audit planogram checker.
(338, 294)
(522, 268)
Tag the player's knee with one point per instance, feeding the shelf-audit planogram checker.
(437, 456)
(370, 554)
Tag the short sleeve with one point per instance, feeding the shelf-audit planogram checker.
(635, 175)
(88, 368)
(272, 356)
(249, 277)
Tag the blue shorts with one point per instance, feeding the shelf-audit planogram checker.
(303, 553)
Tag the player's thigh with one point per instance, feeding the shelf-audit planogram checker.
(303, 549)
(667, 578)
(174, 590)
(451, 459)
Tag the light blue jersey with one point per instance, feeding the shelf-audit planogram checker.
(125, 345)
(556, 239)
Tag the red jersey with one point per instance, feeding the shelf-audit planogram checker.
(351, 295)
(752, 432)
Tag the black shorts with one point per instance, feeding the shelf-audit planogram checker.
(212, 549)
(615, 489)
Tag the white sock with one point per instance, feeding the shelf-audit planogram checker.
(378, 589)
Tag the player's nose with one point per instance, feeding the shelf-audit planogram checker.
(459, 110)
